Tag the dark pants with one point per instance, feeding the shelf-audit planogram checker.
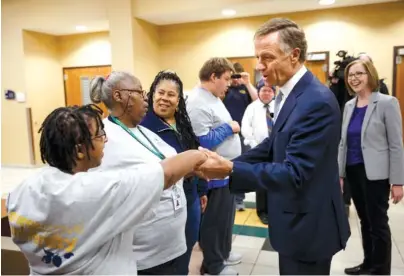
(347, 192)
(191, 235)
(289, 266)
(261, 202)
(371, 199)
(216, 230)
(168, 268)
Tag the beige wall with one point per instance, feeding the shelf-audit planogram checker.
(85, 49)
(15, 143)
(43, 78)
(373, 28)
(34, 63)
(147, 51)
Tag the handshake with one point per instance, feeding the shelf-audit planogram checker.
(213, 166)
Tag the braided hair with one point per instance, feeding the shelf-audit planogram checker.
(183, 123)
(65, 128)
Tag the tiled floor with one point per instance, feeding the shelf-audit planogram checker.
(257, 261)
(261, 262)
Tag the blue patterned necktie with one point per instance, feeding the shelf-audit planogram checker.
(278, 100)
(270, 122)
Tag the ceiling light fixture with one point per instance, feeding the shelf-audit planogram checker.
(81, 28)
(326, 2)
(228, 12)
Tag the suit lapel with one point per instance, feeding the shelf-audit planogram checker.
(349, 111)
(285, 112)
(371, 107)
(290, 103)
(291, 100)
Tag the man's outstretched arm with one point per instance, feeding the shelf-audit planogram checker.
(304, 152)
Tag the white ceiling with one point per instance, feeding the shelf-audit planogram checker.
(59, 17)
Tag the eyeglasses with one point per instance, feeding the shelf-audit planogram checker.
(356, 75)
(142, 93)
(101, 134)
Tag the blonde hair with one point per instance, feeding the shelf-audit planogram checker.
(373, 76)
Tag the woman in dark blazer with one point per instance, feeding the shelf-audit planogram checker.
(371, 158)
(168, 118)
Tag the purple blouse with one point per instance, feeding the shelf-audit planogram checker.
(354, 144)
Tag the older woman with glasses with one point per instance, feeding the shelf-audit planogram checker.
(159, 240)
(371, 158)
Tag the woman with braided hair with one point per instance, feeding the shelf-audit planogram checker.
(169, 119)
(69, 220)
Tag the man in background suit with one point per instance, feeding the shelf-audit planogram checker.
(297, 164)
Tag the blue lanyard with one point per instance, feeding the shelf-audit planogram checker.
(155, 150)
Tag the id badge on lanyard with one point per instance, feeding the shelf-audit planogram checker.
(177, 200)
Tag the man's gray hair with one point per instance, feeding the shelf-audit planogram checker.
(291, 36)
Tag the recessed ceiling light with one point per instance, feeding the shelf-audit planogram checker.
(228, 12)
(81, 28)
(326, 2)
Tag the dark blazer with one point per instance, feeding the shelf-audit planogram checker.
(298, 166)
(192, 186)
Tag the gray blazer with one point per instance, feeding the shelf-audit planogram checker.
(382, 139)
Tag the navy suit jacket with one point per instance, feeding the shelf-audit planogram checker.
(298, 167)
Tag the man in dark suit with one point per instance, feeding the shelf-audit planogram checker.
(297, 164)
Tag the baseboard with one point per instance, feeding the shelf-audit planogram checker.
(250, 204)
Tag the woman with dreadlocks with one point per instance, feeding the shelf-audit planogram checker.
(160, 238)
(68, 220)
(169, 119)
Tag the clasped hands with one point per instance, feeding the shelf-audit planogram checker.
(214, 166)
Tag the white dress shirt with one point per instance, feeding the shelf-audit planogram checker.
(254, 126)
(290, 84)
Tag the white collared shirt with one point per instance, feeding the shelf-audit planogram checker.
(290, 84)
(254, 126)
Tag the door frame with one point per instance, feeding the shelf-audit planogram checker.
(78, 67)
(395, 55)
(327, 60)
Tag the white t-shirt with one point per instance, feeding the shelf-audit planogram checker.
(160, 237)
(82, 223)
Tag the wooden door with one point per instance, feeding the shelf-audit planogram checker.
(317, 63)
(248, 64)
(77, 84)
(398, 77)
